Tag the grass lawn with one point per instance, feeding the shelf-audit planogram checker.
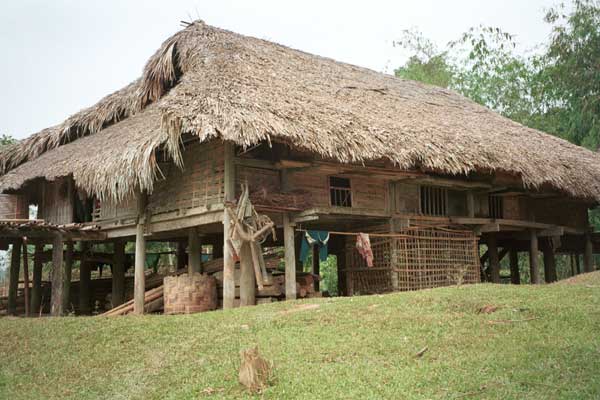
(542, 343)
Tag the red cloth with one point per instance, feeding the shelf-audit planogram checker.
(363, 245)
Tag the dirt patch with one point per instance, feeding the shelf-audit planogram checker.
(299, 308)
(487, 309)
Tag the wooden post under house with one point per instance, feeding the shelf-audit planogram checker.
(533, 257)
(56, 302)
(290, 258)
(228, 261)
(13, 283)
(139, 289)
(118, 274)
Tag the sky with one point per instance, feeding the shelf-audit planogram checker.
(63, 55)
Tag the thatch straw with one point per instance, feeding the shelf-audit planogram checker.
(217, 84)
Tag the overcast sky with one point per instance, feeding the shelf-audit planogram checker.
(62, 55)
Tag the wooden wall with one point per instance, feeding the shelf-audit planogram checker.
(56, 205)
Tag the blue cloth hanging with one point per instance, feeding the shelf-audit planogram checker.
(314, 238)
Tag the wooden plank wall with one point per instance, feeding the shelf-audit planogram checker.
(56, 205)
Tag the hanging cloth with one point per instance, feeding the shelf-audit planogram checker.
(363, 245)
(312, 238)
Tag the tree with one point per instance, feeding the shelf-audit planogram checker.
(556, 89)
(6, 139)
(572, 72)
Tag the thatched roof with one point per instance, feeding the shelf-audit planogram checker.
(217, 84)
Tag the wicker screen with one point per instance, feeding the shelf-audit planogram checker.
(417, 258)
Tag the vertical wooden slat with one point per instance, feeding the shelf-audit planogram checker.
(533, 257)
(26, 277)
(15, 270)
(85, 281)
(56, 306)
(494, 261)
(515, 276)
(68, 270)
(118, 275)
(228, 261)
(36, 290)
(194, 251)
(140, 257)
(588, 257)
(290, 258)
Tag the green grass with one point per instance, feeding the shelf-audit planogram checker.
(362, 347)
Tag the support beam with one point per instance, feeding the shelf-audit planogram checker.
(36, 290)
(494, 259)
(228, 261)
(85, 281)
(588, 257)
(316, 266)
(533, 257)
(56, 304)
(515, 275)
(118, 274)
(26, 278)
(290, 258)
(139, 289)
(247, 277)
(194, 251)
(549, 263)
(470, 204)
(181, 256)
(15, 270)
(67, 274)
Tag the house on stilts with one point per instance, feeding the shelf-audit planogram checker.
(419, 176)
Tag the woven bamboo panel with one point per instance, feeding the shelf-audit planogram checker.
(13, 206)
(187, 295)
(417, 258)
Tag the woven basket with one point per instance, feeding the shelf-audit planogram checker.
(186, 294)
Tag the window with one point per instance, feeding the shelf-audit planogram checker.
(496, 206)
(434, 201)
(340, 192)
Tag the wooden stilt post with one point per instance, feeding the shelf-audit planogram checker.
(228, 261)
(470, 204)
(572, 264)
(26, 278)
(194, 251)
(118, 274)
(533, 257)
(181, 256)
(139, 289)
(247, 277)
(588, 257)
(56, 306)
(15, 270)
(85, 281)
(515, 275)
(36, 290)
(494, 260)
(290, 258)
(577, 263)
(67, 274)
(549, 262)
(316, 266)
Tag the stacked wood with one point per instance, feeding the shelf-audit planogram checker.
(187, 294)
(150, 298)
